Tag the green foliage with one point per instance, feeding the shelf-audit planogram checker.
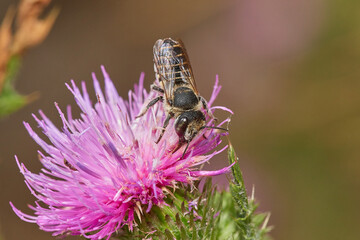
(241, 210)
(10, 99)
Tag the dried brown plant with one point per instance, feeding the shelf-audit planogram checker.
(22, 28)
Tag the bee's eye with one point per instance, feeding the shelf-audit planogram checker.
(181, 125)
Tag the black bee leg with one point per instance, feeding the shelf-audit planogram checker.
(150, 104)
(157, 88)
(179, 145)
(204, 103)
(166, 123)
(187, 145)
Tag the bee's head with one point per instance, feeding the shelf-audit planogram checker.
(188, 124)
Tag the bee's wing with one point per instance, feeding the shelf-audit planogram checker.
(186, 68)
(171, 64)
(163, 69)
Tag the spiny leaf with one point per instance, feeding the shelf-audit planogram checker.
(178, 221)
(183, 233)
(248, 225)
(236, 171)
(169, 235)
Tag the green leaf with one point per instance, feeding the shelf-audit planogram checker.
(169, 235)
(10, 99)
(248, 224)
(11, 102)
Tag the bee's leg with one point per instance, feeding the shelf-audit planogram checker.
(157, 88)
(204, 103)
(179, 145)
(187, 145)
(166, 123)
(150, 104)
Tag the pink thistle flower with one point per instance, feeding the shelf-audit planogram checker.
(102, 170)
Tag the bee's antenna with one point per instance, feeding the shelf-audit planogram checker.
(220, 128)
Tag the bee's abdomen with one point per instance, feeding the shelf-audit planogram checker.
(173, 60)
(185, 98)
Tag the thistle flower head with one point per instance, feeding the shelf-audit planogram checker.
(103, 170)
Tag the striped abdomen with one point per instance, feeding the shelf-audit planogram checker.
(171, 61)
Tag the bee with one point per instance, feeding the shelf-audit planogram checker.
(178, 92)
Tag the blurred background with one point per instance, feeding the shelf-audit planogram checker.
(290, 71)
